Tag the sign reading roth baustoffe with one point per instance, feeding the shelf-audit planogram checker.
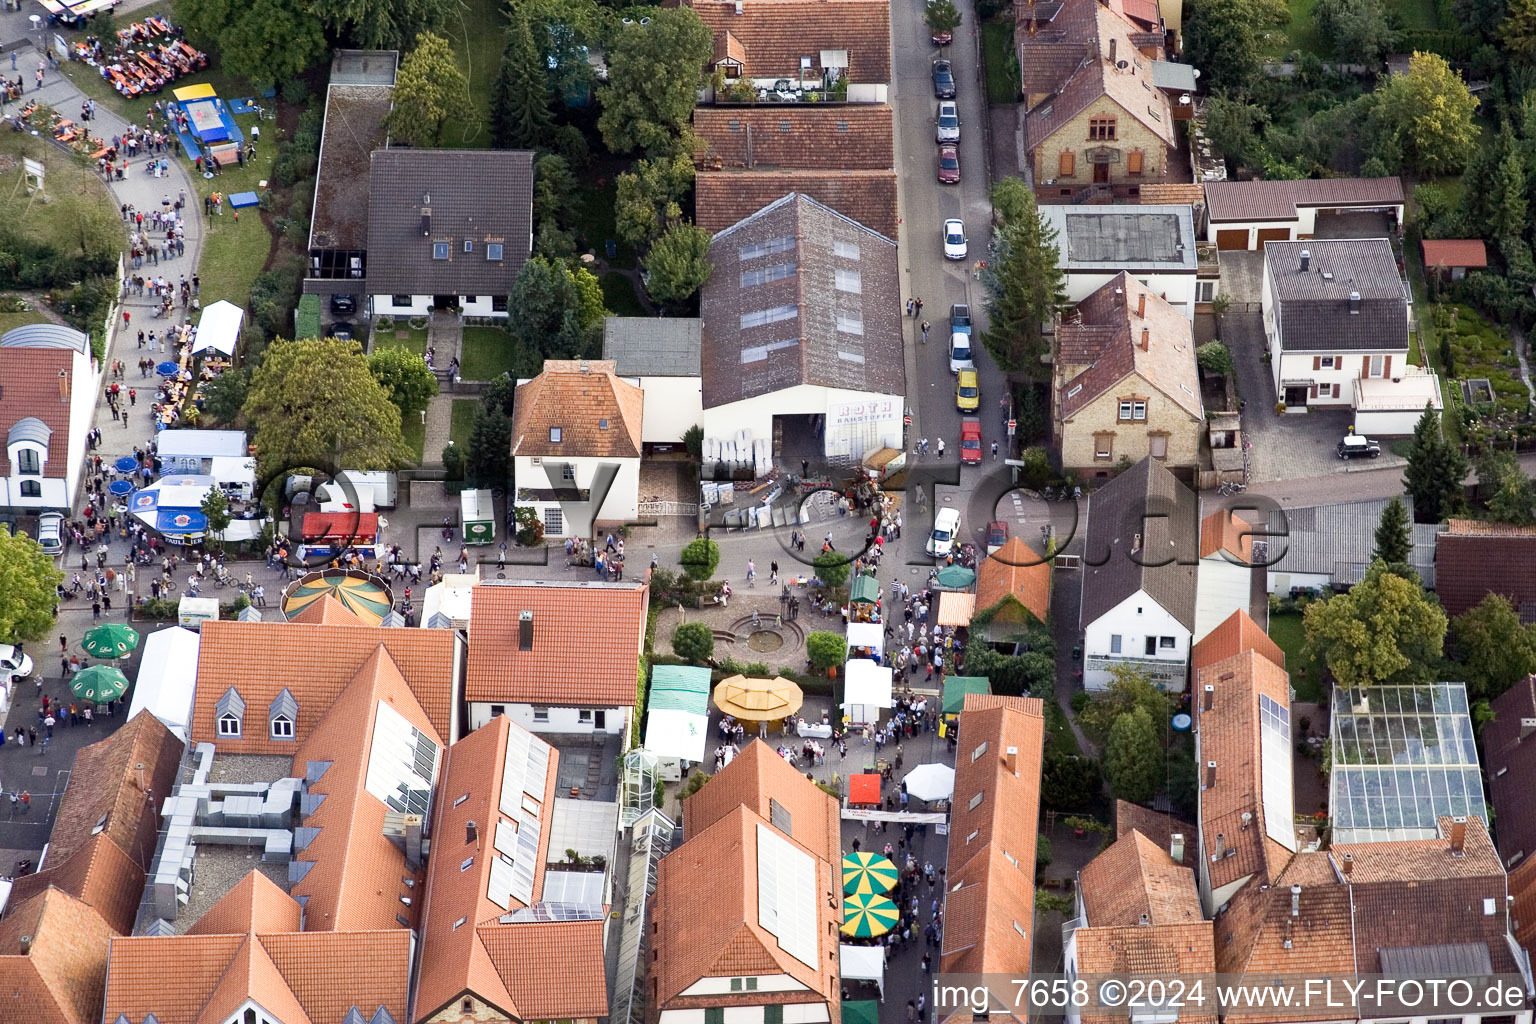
(1298, 997)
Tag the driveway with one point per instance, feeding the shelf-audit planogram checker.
(1294, 446)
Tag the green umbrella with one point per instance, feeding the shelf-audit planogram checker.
(868, 873)
(99, 684)
(114, 640)
(956, 577)
(868, 915)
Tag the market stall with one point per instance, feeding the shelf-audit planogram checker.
(866, 690)
(173, 507)
(167, 678)
(866, 640)
(329, 534)
(956, 687)
(219, 328)
(477, 516)
(956, 609)
(864, 599)
(862, 963)
(677, 718)
(758, 700)
(864, 790)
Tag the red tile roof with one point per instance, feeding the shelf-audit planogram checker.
(30, 387)
(810, 136)
(758, 778)
(722, 198)
(1015, 571)
(773, 35)
(1473, 560)
(587, 640)
(1461, 252)
(1167, 363)
(1509, 758)
(1136, 881)
(1238, 633)
(597, 414)
(315, 663)
(989, 909)
(1223, 530)
(1158, 826)
(61, 979)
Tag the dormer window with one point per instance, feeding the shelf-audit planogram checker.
(229, 725)
(439, 250)
(281, 714)
(230, 714)
(282, 728)
(28, 462)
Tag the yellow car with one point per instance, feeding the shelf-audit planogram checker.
(968, 392)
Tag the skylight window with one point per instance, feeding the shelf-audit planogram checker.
(554, 435)
(439, 250)
(493, 250)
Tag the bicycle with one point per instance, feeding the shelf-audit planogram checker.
(167, 586)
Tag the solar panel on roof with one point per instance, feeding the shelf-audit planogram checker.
(402, 763)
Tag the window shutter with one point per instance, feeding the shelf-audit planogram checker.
(1133, 161)
(1068, 163)
(1317, 362)
(1365, 366)
(1335, 391)
(1386, 367)
(1314, 390)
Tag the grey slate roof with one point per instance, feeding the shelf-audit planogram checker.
(1313, 306)
(45, 336)
(1146, 501)
(1451, 959)
(818, 330)
(1167, 74)
(1337, 540)
(29, 428)
(1115, 238)
(479, 195)
(650, 346)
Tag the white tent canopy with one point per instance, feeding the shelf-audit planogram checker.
(867, 634)
(931, 782)
(863, 963)
(866, 689)
(153, 506)
(167, 678)
(671, 732)
(219, 328)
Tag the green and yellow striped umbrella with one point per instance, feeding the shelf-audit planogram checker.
(868, 873)
(867, 915)
(361, 593)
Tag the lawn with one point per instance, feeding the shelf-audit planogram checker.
(1059, 737)
(1299, 34)
(595, 224)
(1480, 349)
(619, 295)
(1306, 673)
(415, 432)
(475, 30)
(462, 423)
(65, 175)
(490, 352)
(1002, 63)
(415, 339)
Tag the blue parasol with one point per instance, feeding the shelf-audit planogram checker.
(126, 464)
(122, 488)
(168, 369)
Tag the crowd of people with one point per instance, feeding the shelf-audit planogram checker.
(143, 58)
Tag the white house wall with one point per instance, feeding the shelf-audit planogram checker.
(672, 405)
(1221, 589)
(1134, 619)
(560, 721)
(421, 305)
(1281, 582)
(876, 421)
(1386, 424)
(620, 506)
(86, 377)
(1178, 289)
(1302, 226)
(794, 1013)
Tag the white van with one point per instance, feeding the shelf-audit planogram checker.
(946, 530)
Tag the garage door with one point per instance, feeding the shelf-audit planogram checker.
(1227, 241)
(1273, 235)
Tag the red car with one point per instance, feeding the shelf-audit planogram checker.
(949, 165)
(943, 38)
(970, 440)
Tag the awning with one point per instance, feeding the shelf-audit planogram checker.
(864, 590)
(866, 634)
(864, 789)
(219, 327)
(864, 1011)
(343, 526)
(956, 609)
(862, 963)
(956, 687)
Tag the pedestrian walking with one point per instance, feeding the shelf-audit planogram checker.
(911, 305)
(925, 332)
(994, 451)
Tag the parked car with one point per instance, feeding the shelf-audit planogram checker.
(967, 391)
(960, 353)
(997, 535)
(343, 305)
(948, 122)
(50, 535)
(946, 526)
(949, 165)
(960, 318)
(954, 240)
(1356, 447)
(14, 665)
(970, 440)
(943, 80)
(342, 329)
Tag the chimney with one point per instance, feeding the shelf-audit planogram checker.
(1176, 847)
(1221, 845)
(525, 630)
(1210, 774)
(1210, 697)
(1146, 338)
(426, 221)
(471, 833)
(1527, 726)
(1458, 836)
(1144, 920)
(1354, 303)
(141, 776)
(1112, 49)
(24, 944)
(413, 839)
(1347, 865)
(1306, 260)
(1141, 305)
(1011, 759)
(585, 367)
(63, 385)
(1295, 901)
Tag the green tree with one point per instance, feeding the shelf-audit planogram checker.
(1427, 116)
(530, 528)
(224, 396)
(405, 376)
(1133, 757)
(1130, 688)
(1394, 534)
(555, 189)
(1236, 126)
(1214, 357)
(941, 16)
(1357, 29)
(1435, 471)
(431, 91)
(1023, 281)
(1494, 196)
(85, 222)
(694, 641)
(1384, 630)
(381, 24)
(489, 458)
(1518, 29)
(678, 264)
(700, 558)
(1496, 648)
(1043, 854)
(1032, 673)
(655, 72)
(1225, 39)
(520, 117)
(216, 507)
(315, 403)
(826, 650)
(1069, 782)
(29, 598)
(560, 310)
(565, 32)
(648, 200)
(268, 43)
(1509, 494)
(832, 568)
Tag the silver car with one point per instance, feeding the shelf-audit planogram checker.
(50, 536)
(948, 121)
